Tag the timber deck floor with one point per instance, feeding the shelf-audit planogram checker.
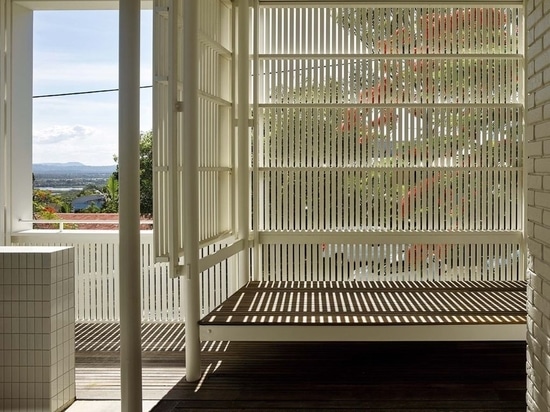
(370, 311)
(373, 303)
(269, 376)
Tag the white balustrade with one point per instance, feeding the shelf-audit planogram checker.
(97, 276)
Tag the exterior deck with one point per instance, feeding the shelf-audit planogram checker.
(479, 376)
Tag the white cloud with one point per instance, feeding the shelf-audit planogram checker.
(58, 134)
(75, 143)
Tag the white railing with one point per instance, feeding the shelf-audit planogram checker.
(97, 276)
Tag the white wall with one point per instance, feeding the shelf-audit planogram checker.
(538, 202)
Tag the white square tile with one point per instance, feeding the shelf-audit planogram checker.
(66, 271)
(43, 389)
(28, 325)
(46, 292)
(42, 277)
(48, 260)
(31, 387)
(54, 369)
(59, 289)
(13, 260)
(38, 292)
(16, 341)
(47, 373)
(53, 388)
(23, 341)
(66, 380)
(23, 377)
(30, 257)
(46, 358)
(72, 391)
(14, 373)
(22, 260)
(46, 311)
(42, 325)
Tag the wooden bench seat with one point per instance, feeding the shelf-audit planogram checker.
(371, 311)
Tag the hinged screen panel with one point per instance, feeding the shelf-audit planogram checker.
(215, 125)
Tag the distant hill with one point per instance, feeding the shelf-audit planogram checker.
(75, 168)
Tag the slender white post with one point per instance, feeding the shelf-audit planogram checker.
(191, 188)
(243, 114)
(18, 115)
(128, 150)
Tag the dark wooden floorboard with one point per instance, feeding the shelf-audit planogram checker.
(357, 376)
(264, 376)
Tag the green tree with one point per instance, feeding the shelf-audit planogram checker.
(111, 195)
(145, 179)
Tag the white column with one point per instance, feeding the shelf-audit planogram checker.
(243, 144)
(191, 188)
(19, 139)
(128, 150)
(5, 29)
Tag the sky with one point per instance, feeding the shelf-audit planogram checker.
(77, 51)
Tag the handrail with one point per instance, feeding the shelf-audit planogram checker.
(62, 222)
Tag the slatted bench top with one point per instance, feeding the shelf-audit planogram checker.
(331, 305)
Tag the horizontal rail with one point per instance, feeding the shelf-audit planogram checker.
(389, 237)
(63, 222)
(411, 105)
(312, 4)
(353, 168)
(387, 56)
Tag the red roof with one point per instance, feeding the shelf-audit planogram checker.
(87, 220)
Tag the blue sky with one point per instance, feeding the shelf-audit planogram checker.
(77, 51)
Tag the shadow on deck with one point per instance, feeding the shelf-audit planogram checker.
(481, 376)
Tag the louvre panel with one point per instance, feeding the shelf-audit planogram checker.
(163, 127)
(215, 125)
(399, 120)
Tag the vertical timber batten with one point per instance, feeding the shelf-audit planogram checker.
(172, 141)
(130, 310)
(190, 187)
(243, 114)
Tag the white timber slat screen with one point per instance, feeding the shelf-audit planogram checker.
(389, 142)
(215, 124)
(216, 147)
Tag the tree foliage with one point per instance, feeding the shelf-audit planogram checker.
(145, 178)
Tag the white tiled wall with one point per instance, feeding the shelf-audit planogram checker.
(36, 328)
